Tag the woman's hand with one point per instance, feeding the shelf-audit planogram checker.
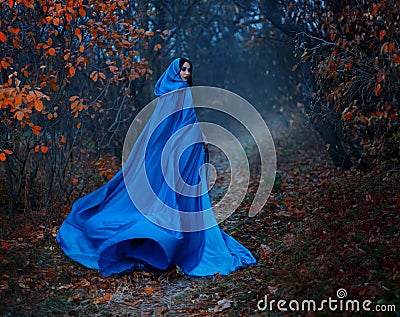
(205, 141)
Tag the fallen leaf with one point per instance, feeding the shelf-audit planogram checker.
(102, 299)
(222, 305)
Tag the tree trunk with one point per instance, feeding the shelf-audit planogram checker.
(325, 129)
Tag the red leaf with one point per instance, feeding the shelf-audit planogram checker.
(102, 299)
(28, 3)
(13, 30)
(375, 9)
(44, 149)
(382, 34)
(148, 290)
(82, 11)
(36, 130)
(74, 299)
(71, 71)
(348, 116)
(377, 89)
(3, 37)
(38, 105)
(19, 115)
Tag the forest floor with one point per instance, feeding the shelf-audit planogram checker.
(321, 230)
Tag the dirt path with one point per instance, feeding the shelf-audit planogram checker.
(309, 241)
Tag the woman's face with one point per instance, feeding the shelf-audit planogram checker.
(185, 71)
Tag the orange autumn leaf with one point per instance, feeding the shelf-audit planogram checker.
(44, 149)
(3, 37)
(13, 30)
(48, 19)
(78, 34)
(36, 129)
(94, 76)
(16, 42)
(8, 152)
(17, 100)
(81, 48)
(19, 115)
(28, 3)
(377, 89)
(74, 299)
(348, 116)
(36, 148)
(2, 157)
(82, 11)
(396, 58)
(113, 69)
(74, 104)
(52, 51)
(375, 9)
(148, 290)
(382, 34)
(63, 139)
(102, 299)
(38, 105)
(10, 3)
(71, 71)
(384, 48)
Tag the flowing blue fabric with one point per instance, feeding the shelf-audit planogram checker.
(156, 211)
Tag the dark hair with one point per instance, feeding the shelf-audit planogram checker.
(183, 61)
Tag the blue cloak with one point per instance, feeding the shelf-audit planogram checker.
(156, 211)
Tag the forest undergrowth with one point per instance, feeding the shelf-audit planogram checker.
(322, 229)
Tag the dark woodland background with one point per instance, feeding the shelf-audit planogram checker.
(325, 76)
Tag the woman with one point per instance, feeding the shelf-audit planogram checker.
(156, 212)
